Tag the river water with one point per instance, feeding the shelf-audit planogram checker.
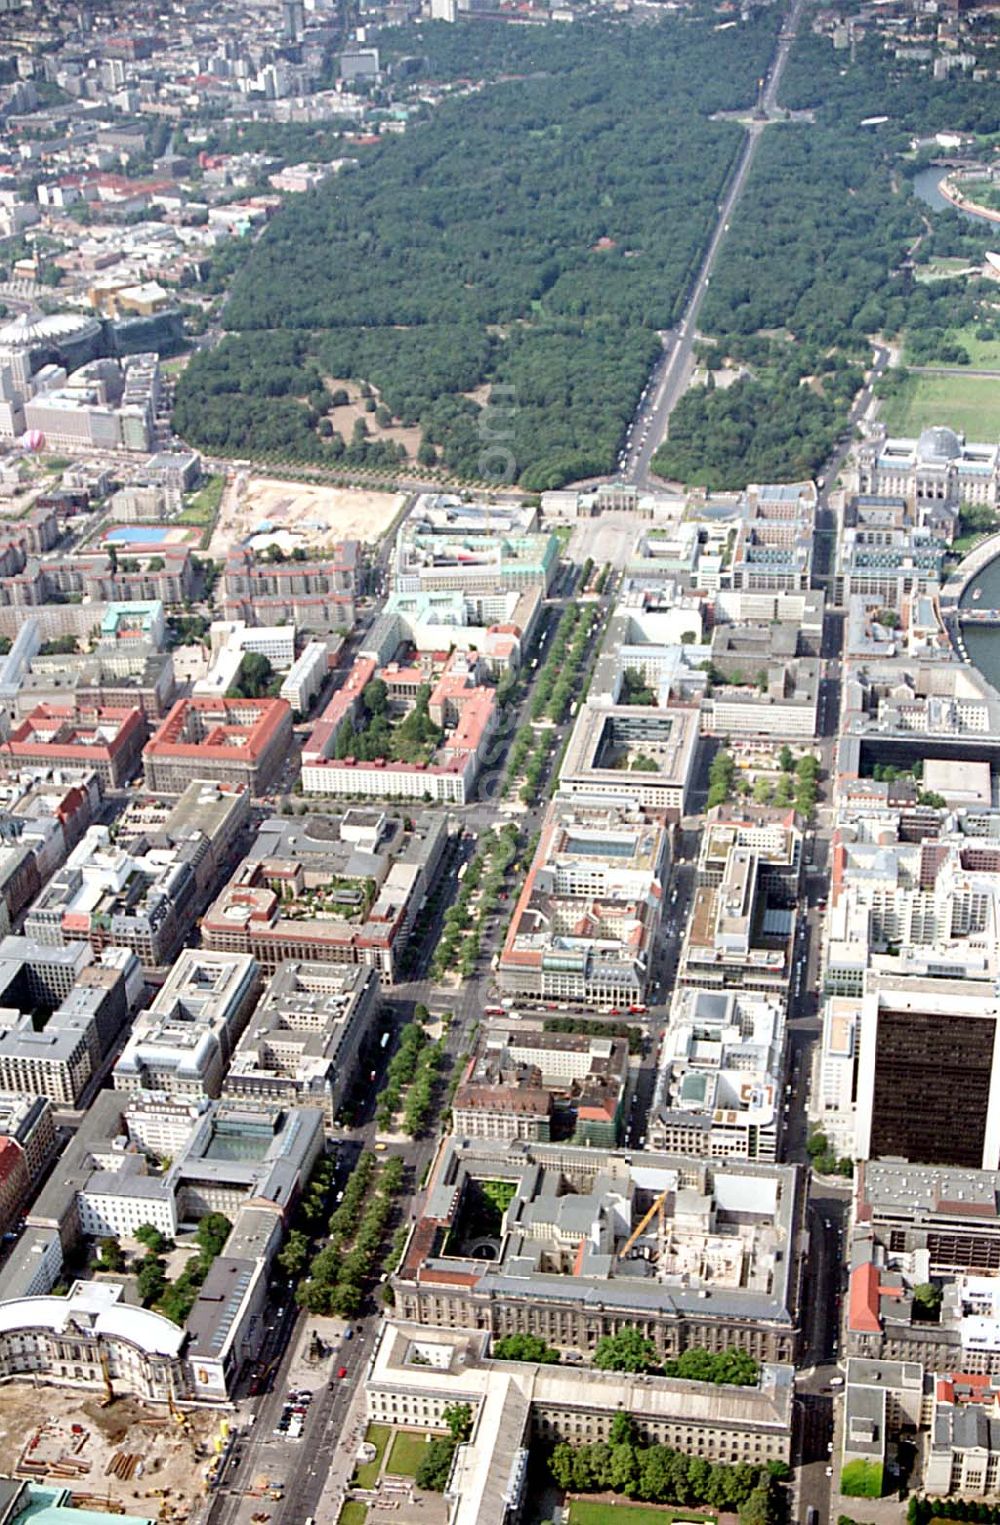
(982, 642)
(925, 186)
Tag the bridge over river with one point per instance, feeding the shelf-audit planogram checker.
(969, 615)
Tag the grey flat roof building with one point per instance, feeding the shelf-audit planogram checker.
(302, 1043)
(719, 1252)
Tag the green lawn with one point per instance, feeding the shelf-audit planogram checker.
(593, 1512)
(204, 506)
(984, 354)
(366, 1476)
(967, 403)
(407, 1449)
(353, 1513)
(943, 268)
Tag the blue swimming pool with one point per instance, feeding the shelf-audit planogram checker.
(139, 534)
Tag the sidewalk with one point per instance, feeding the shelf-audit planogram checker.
(342, 1460)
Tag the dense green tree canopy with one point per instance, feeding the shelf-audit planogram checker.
(524, 1347)
(533, 235)
(815, 263)
(628, 1350)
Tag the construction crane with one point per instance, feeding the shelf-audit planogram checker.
(175, 1413)
(643, 1224)
(109, 1392)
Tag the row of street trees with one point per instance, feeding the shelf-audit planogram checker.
(659, 1474)
(340, 1271)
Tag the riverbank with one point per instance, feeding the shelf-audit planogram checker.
(955, 198)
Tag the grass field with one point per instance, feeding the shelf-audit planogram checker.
(204, 506)
(967, 403)
(942, 268)
(353, 1513)
(984, 354)
(594, 1512)
(366, 1476)
(407, 1449)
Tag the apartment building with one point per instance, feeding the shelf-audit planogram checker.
(166, 575)
(308, 1032)
(183, 1043)
(314, 595)
(587, 916)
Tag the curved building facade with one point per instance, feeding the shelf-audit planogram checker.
(36, 339)
(91, 1339)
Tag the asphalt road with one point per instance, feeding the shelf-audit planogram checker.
(304, 1464)
(825, 1274)
(304, 1469)
(669, 379)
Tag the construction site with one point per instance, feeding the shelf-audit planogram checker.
(264, 511)
(688, 1243)
(121, 1457)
